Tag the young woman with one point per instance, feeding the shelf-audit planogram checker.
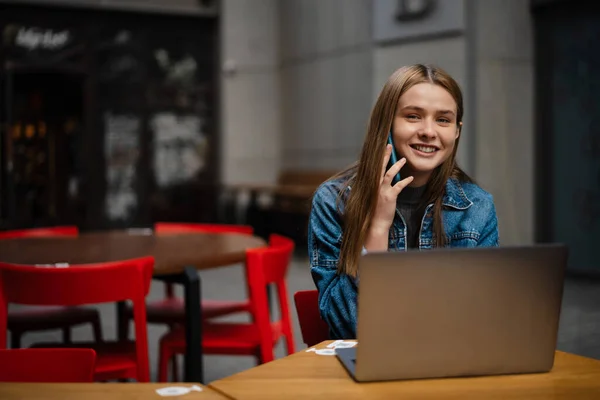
(362, 209)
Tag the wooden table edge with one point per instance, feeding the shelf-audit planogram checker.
(85, 386)
(325, 343)
(219, 391)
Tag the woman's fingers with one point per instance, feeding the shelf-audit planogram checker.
(403, 183)
(386, 159)
(394, 169)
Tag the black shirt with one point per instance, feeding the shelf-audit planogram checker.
(408, 202)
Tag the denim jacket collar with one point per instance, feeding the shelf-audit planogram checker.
(455, 196)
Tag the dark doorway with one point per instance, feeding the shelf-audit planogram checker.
(568, 130)
(44, 115)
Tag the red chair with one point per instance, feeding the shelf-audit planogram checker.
(87, 284)
(314, 329)
(171, 310)
(32, 365)
(263, 266)
(47, 318)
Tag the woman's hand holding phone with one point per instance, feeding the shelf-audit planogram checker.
(377, 238)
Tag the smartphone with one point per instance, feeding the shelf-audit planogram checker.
(393, 159)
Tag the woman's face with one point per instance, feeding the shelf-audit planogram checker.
(424, 130)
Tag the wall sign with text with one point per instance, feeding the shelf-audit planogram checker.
(32, 38)
(408, 19)
(47, 43)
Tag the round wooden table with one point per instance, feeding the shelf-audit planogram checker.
(177, 258)
(171, 252)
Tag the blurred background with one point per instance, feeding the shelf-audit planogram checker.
(121, 113)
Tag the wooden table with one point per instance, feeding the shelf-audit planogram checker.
(308, 375)
(172, 253)
(100, 391)
(177, 259)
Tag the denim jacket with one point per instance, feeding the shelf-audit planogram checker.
(469, 218)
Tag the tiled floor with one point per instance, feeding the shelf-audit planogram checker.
(579, 325)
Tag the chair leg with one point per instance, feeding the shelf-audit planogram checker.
(174, 363)
(97, 328)
(258, 357)
(164, 356)
(122, 321)
(66, 334)
(266, 354)
(174, 369)
(15, 340)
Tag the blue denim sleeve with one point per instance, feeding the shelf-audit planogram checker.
(489, 234)
(337, 293)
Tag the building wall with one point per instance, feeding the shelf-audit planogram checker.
(251, 102)
(504, 151)
(326, 57)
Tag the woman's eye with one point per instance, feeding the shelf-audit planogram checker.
(412, 116)
(444, 120)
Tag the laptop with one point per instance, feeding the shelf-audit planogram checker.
(457, 312)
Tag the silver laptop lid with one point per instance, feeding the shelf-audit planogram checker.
(459, 312)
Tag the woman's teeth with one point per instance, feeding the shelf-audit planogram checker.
(425, 149)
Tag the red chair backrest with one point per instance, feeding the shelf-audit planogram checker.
(185, 227)
(82, 284)
(40, 232)
(274, 259)
(76, 284)
(314, 329)
(47, 365)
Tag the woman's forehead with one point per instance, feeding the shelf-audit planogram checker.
(427, 96)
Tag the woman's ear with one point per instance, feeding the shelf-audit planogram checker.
(458, 129)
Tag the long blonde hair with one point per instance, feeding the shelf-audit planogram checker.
(361, 200)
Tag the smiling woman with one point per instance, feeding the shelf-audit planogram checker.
(425, 129)
(361, 209)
